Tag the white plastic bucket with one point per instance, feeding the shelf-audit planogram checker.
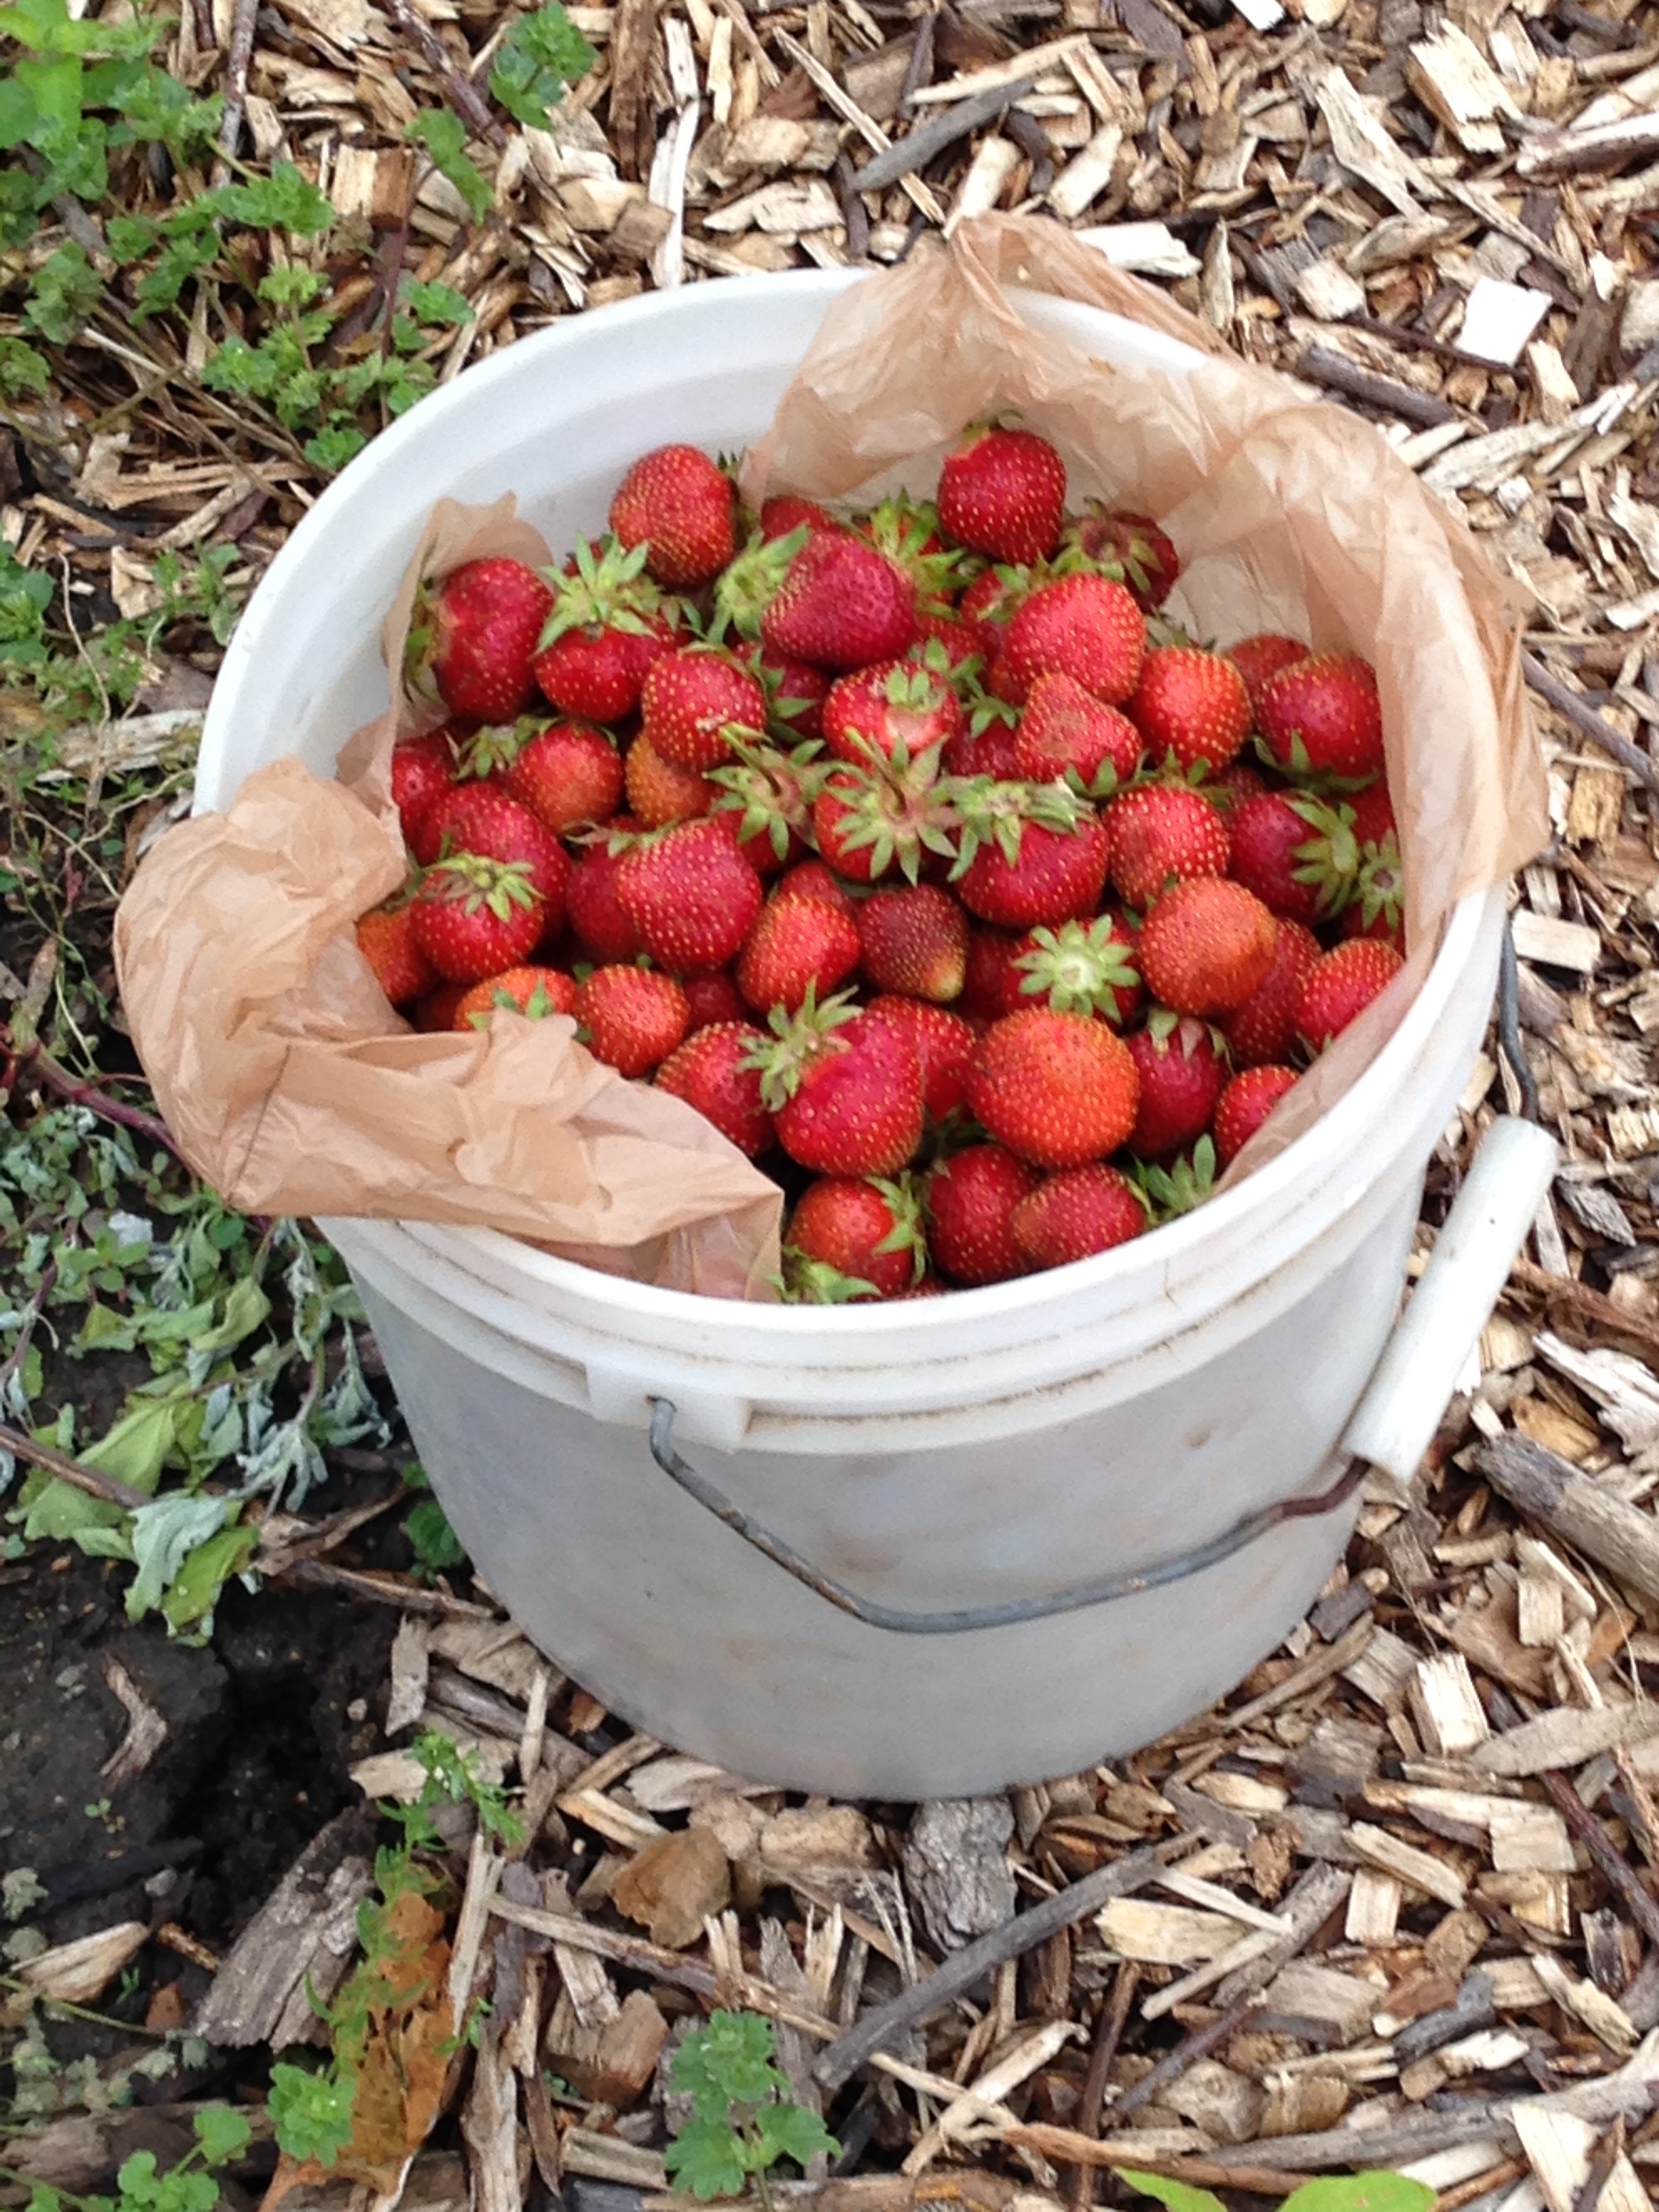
(994, 1446)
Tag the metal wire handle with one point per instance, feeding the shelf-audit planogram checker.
(956, 1623)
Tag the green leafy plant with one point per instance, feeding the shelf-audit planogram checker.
(743, 2121)
(437, 1546)
(539, 58)
(222, 2135)
(311, 2111)
(444, 140)
(453, 1776)
(1345, 2192)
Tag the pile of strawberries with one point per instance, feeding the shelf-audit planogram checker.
(915, 849)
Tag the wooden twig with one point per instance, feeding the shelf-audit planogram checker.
(1590, 1832)
(633, 28)
(1063, 2144)
(1569, 703)
(1605, 2157)
(965, 1967)
(238, 62)
(905, 155)
(30, 1059)
(1478, 2184)
(1114, 2015)
(1616, 1536)
(109, 1487)
(1174, 2064)
(463, 96)
(919, 70)
(1320, 365)
(384, 1590)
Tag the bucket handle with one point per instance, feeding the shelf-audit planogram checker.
(1392, 1426)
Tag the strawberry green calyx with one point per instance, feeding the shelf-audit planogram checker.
(750, 582)
(796, 1041)
(609, 591)
(1079, 967)
(896, 808)
(535, 1008)
(771, 789)
(996, 813)
(804, 1282)
(907, 531)
(1329, 862)
(907, 1233)
(418, 678)
(472, 882)
(1167, 1192)
(1299, 769)
(1378, 887)
(493, 750)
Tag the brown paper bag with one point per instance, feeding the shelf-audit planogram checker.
(291, 1085)
(1288, 515)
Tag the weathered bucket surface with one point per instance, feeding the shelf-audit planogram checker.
(991, 1447)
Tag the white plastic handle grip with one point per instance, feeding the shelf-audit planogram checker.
(1396, 1419)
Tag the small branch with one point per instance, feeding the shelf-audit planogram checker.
(1322, 365)
(237, 65)
(907, 155)
(465, 98)
(31, 1059)
(1113, 2016)
(1606, 2155)
(43, 1291)
(1582, 717)
(1594, 1305)
(1620, 1874)
(1063, 2144)
(1616, 1536)
(964, 1968)
(1174, 2064)
(109, 1487)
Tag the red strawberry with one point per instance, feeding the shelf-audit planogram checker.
(811, 879)
(691, 893)
(474, 637)
(1081, 968)
(991, 987)
(864, 1229)
(1341, 986)
(992, 751)
(1258, 659)
(868, 822)
(1263, 1028)
(1022, 872)
(908, 531)
(993, 599)
(1159, 831)
(958, 642)
(846, 1092)
(1064, 726)
(570, 775)
(798, 948)
(659, 793)
(605, 629)
(1236, 783)
(1182, 1075)
(1297, 854)
(422, 773)
(1130, 547)
(894, 706)
(1245, 1104)
(1003, 492)
(1322, 717)
(1075, 1215)
(712, 1072)
(944, 1042)
(914, 942)
(787, 511)
(840, 604)
(483, 820)
(533, 992)
(1373, 814)
(1080, 626)
(1377, 907)
(1058, 1089)
(1206, 945)
(386, 939)
(711, 997)
(678, 505)
(436, 1011)
(634, 1016)
(691, 697)
(1190, 704)
(475, 916)
(795, 691)
(971, 1198)
(602, 924)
